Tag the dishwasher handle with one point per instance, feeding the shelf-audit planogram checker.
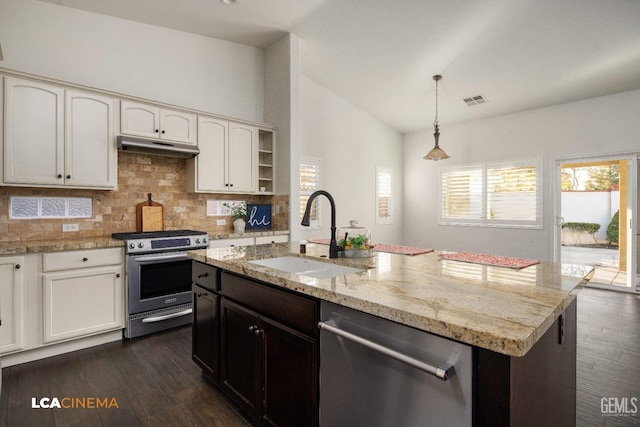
(443, 372)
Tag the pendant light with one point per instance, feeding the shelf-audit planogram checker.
(436, 152)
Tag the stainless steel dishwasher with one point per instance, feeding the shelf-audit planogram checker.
(375, 372)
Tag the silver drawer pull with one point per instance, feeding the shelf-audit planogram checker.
(442, 372)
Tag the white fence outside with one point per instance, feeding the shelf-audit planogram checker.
(588, 206)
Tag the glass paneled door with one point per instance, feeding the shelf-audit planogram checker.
(596, 223)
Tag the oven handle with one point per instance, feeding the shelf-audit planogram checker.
(152, 259)
(167, 316)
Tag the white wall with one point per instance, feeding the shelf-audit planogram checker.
(351, 143)
(597, 207)
(132, 58)
(598, 126)
(282, 93)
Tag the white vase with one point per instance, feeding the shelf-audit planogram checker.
(238, 226)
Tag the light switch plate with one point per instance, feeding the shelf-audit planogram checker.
(70, 227)
(221, 222)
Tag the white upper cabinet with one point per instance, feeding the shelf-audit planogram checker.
(243, 158)
(91, 156)
(228, 158)
(207, 171)
(34, 129)
(150, 121)
(57, 137)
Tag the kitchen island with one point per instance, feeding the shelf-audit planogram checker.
(520, 323)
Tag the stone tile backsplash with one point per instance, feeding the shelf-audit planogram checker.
(115, 211)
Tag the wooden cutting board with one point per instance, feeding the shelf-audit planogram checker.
(149, 216)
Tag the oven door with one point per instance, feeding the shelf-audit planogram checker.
(158, 280)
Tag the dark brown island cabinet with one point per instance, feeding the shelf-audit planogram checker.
(206, 319)
(259, 344)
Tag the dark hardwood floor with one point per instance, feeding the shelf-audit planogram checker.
(608, 361)
(155, 383)
(152, 378)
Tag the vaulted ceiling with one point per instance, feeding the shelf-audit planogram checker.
(381, 55)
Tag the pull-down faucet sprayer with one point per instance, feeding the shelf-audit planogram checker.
(334, 249)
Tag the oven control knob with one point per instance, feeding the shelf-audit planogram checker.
(204, 240)
(132, 245)
(197, 241)
(141, 245)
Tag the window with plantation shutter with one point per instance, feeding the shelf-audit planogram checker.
(310, 182)
(462, 194)
(492, 194)
(384, 196)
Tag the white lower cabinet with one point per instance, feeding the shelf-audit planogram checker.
(82, 293)
(81, 302)
(55, 302)
(12, 302)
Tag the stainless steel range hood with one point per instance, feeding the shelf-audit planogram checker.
(159, 148)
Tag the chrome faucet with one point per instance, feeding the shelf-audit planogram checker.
(334, 249)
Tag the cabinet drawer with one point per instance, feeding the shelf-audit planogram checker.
(57, 261)
(205, 276)
(296, 311)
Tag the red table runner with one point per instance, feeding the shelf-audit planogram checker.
(493, 260)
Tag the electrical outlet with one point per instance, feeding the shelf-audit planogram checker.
(70, 227)
(221, 222)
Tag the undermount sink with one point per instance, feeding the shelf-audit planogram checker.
(306, 267)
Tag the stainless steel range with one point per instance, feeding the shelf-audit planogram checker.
(159, 279)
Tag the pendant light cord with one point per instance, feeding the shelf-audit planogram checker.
(435, 122)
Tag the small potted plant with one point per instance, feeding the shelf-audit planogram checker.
(237, 210)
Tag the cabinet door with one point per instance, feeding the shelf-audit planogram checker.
(91, 151)
(82, 302)
(139, 119)
(290, 377)
(239, 359)
(178, 126)
(11, 303)
(206, 334)
(34, 129)
(242, 158)
(210, 163)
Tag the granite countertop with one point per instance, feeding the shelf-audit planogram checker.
(249, 233)
(495, 308)
(54, 245)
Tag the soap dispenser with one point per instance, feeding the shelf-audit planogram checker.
(355, 240)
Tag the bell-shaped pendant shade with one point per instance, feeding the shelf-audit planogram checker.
(436, 154)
